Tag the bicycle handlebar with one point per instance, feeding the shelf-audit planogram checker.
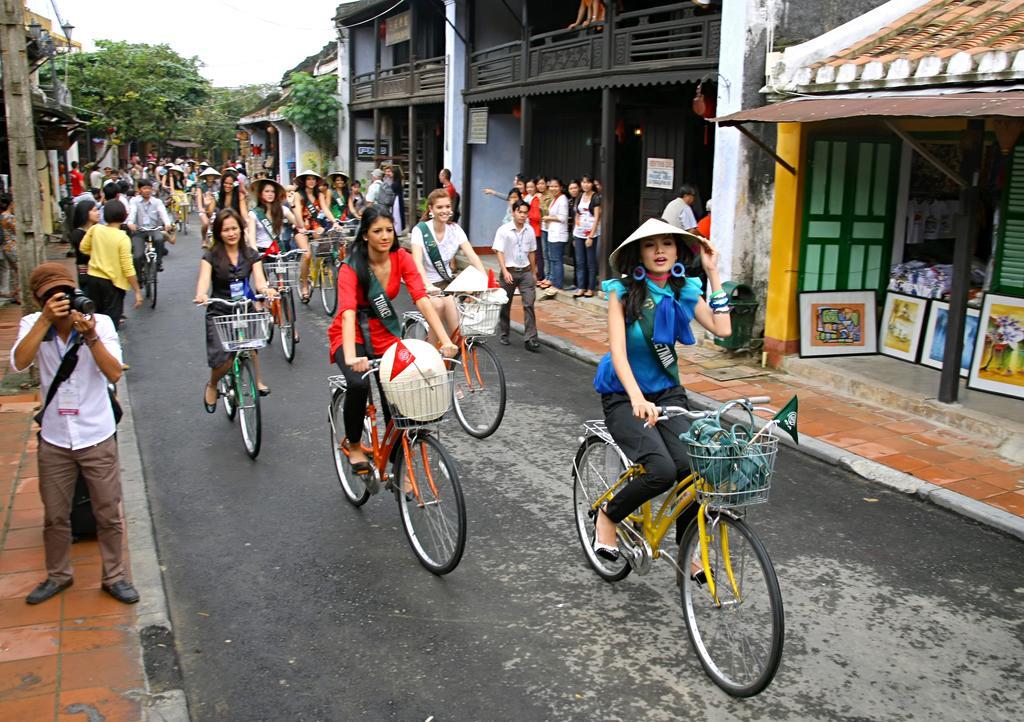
(286, 255)
(232, 304)
(668, 412)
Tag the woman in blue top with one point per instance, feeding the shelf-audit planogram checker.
(648, 311)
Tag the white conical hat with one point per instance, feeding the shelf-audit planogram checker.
(308, 171)
(209, 172)
(650, 227)
(471, 280)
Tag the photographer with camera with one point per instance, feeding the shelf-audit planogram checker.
(77, 425)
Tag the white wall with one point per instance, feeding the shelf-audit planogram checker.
(455, 83)
(286, 151)
(493, 166)
(342, 160)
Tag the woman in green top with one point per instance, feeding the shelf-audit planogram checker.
(335, 196)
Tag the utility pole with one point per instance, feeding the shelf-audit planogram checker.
(21, 144)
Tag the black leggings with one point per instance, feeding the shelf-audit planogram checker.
(357, 396)
(658, 449)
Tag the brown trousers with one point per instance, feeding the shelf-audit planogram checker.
(58, 471)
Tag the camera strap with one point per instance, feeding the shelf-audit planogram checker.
(68, 362)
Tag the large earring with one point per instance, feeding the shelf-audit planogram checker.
(678, 270)
(639, 273)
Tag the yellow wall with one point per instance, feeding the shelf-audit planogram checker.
(781, 317)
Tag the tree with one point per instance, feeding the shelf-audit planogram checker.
(313, 106)
(143, 91)
(214, 123)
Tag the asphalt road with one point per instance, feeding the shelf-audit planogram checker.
(289, 604)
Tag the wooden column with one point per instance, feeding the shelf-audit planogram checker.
(608, 49)
(966, 235)
(609, 99)
(410, 212)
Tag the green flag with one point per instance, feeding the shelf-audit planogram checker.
(786, 419)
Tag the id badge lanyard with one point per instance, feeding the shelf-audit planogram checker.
(68, 402)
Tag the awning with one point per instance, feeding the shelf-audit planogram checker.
(182, 144)
(1008, 104)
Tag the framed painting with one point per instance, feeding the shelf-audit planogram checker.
(998, 362)
(838, 323)
(934, 348)
(902, 326)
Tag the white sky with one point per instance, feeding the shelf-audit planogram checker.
(238, 41)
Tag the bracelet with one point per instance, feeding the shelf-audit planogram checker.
(722, 309)
(90, 341)
(718, 303)
(719, 294)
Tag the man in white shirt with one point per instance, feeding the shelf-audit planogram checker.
(374, 190)
(516, 249)
(679, 212)
(77, 429)
(147, 211)
(95, 177)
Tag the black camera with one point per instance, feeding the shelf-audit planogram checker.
(80, 302)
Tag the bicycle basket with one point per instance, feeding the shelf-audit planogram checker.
(733, 470)
(419, 401)
(323, 248)
(283, 273)
(241, 332)
(478, 318)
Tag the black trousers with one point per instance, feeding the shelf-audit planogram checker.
(139, 248)
(109, 299)
(663, 456)
(357, 395)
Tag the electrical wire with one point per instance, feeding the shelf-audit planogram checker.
(275, 23)
(370, 20)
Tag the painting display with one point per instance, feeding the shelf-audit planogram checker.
(838, 323)
(902, 325)
(998, 363)
(934, 347)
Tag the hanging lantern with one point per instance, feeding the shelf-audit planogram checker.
(1007, 132)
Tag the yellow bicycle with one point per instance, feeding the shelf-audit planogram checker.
(728, 587)
(327, 251)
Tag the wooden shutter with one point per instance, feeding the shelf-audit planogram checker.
(1009, 266)
(849, 211)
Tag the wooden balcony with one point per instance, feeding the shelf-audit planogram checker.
(662, 39)
(422, 81)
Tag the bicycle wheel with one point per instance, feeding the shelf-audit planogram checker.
(351, 484)
(596, 468)
(328, 288)
(248, 408)
(738, 639)
(435, 519)
(413, 328)
(479, 390)
(226, 389)
(288, 325)
(152, 269)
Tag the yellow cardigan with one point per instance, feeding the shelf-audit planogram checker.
(110, 254)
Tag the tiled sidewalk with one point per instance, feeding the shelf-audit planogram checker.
(939, 455)
(76, 656)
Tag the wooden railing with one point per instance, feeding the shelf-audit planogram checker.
(673, 35)
(423, 77)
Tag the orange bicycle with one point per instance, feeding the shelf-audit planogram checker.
(283, 275)
(423, 478)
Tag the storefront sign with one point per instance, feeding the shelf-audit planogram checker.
(398, 29)
(660, 172)
(364, 149)
(477, 126)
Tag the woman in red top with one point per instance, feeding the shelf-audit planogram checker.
(374, 261)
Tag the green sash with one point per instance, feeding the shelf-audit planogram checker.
(315, 214)
(339, 201)
(261, 216)
(434, 252)
(380, 304)
(665, 353)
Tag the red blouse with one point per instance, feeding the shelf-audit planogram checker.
(351, 297)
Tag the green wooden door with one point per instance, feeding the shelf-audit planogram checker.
(1008, 276)
(849, 209)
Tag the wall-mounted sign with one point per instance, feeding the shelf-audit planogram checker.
(660, 172)
(364, 149)
(398, 29)
(477, 134)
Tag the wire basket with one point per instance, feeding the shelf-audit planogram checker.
(479, 318)
(323, 248)
(242, 332)
(282, 273)
(419, 401)
(734, 472)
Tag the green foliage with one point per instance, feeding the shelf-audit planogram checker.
(313, 107)
(214, 123)
(141, 90)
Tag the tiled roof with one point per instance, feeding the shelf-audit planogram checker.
(941, 41)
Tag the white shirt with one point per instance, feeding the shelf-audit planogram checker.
(373, 191)
(672, 211)
(148, 213)
(558, 231)
(515, 244)
(87, 387)
(687, 221)
(448, 245)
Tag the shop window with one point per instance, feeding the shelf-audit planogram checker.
(1008, 270)
(848, 214)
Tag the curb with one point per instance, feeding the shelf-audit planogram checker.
(169, 705)
(867, 469)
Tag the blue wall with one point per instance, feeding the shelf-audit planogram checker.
(493, 166)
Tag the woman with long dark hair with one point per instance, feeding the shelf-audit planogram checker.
(85, 215)
(398, 206)
(230, 195)
(587, 235)
(314, 217)
(370, 277)
(649, 310)
(335, 196)
(230, 270)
